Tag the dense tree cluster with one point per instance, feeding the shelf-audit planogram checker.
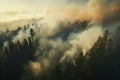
(13, 56)
(102, 62)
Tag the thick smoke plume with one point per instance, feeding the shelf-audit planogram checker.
(55, 42)
(67, 38)
(52, 48)
(90, 10)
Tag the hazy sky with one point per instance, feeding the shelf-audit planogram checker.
(12, 5)
(18, 9)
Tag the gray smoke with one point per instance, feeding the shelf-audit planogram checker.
(50, 51)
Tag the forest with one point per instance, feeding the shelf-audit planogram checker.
(28, 53)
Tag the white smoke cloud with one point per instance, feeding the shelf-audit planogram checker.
(21, 36)
(82, 42)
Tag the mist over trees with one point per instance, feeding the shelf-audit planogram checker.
(20, 59)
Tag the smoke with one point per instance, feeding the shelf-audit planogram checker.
(105, 10)
(51, 48)
(86, 39)
(50, 51)
(6, 43)
(62, 34)
(82, 42)
(21, 36)
(90, 10)
(53, 45)
(35, 67)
